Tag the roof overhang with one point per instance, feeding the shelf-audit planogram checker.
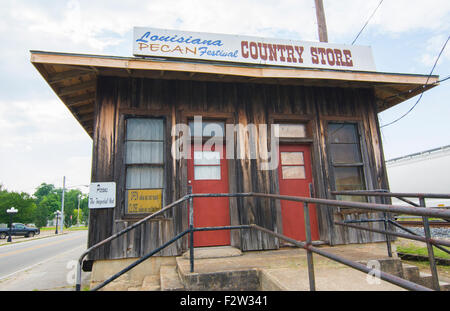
(73, 78)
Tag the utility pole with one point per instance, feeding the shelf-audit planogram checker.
(321, 24)
(78, 212)
(62, 204)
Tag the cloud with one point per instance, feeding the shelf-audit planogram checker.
(393, 18)
(433, 47)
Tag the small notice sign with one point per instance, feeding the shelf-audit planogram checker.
(144, 201)
(102, 195)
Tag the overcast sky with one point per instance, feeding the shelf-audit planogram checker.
(40, 141)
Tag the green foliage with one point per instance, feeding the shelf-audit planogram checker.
(47, 200)
(21, 201)
(423, 251)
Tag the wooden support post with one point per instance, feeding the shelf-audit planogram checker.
(321, 24)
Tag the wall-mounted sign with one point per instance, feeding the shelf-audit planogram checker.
(102, 195)
(144, 201)
(254, 50)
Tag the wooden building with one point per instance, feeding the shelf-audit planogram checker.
(329, 137)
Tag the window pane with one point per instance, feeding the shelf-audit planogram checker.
(352, 198)
(342, 133)
(145, 129)
(349, 177)
(292, 158)
(292, 130)
(145, 177)
(293, 172)
(209, 129)
(207, 172)
(144, 152)
(345, 153)
(206, 157)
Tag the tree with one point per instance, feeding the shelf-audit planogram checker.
(43, 191)
(21, 201)
(71, 204)
(48, 202)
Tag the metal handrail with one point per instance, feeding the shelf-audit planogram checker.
(118, 234)
(426, 225)
(420, 211)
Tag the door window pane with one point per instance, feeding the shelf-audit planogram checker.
(206, 158)
(207, 172)
(293, 172)
(289, 158)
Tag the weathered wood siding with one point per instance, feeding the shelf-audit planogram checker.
(236, 103)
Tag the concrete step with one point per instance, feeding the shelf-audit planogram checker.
(388, 265)
(426, 280)
(170, 280)
(214, 252)
(151, 283)
(213, 271)
(411, 273)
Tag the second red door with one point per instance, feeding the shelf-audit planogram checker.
(208, 173)
(294, 175)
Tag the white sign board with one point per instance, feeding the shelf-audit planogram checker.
(102, 195)
(243, 49)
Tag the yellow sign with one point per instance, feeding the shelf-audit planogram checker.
(144, 201)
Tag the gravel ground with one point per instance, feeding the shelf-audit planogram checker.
(435, 232)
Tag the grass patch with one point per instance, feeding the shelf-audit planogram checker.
(416, 218)
(68, 229)
(423, 251)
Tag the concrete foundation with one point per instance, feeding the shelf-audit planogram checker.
(229, 269)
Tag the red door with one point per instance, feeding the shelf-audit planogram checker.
(208, 173)
(294, 174)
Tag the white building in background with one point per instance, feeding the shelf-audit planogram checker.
(424, 172)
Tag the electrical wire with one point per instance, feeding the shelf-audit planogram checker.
(442, 80)
(423, 86)
(367, 22)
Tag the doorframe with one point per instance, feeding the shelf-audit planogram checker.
(227, 118)
(311, 140)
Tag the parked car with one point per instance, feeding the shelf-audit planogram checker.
(19, 229)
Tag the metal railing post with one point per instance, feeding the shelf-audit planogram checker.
(78, 280)
(309, 254)
(388, 238)
(191, 230)
(427, 231)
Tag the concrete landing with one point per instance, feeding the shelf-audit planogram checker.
(286, 269)
(229, 269)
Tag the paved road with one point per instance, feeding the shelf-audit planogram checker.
(41, 264)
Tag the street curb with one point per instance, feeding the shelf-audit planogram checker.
(37, 238)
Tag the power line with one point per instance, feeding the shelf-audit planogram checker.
(423, 86)
(442, 80)
(367, 22)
